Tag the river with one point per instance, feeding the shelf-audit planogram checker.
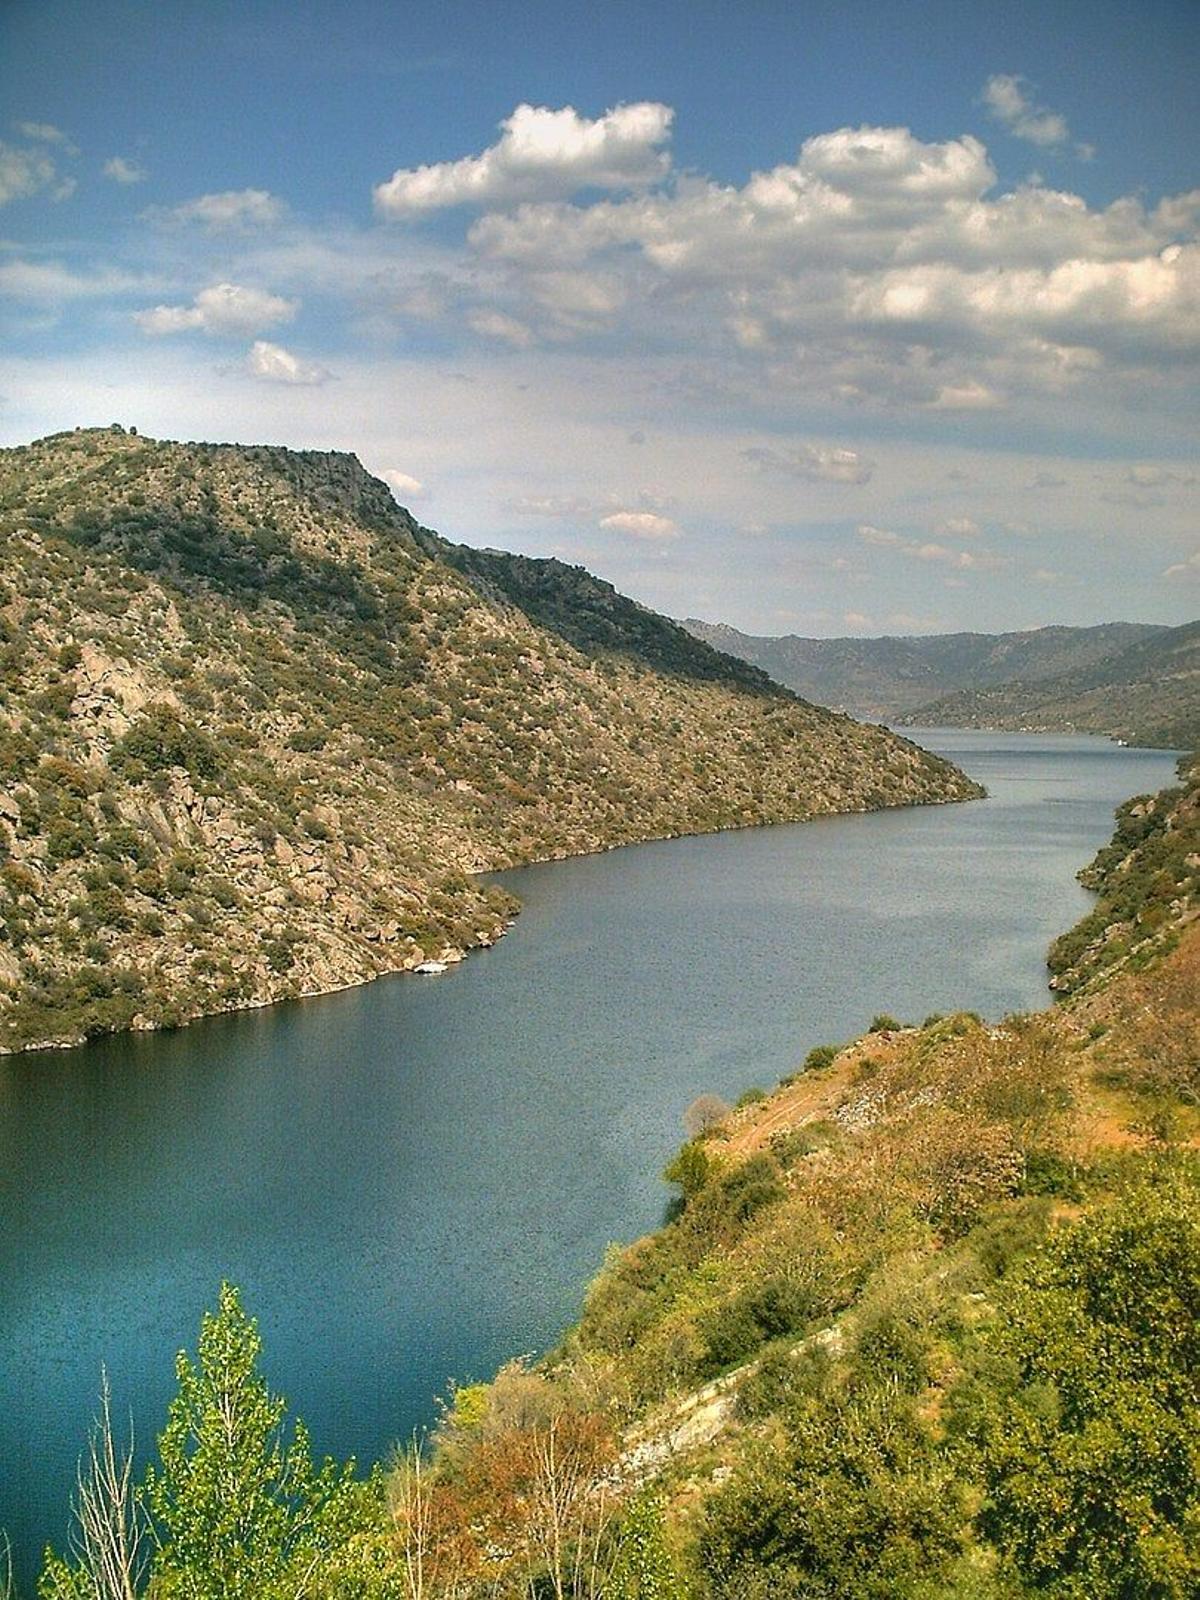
(413, 1181)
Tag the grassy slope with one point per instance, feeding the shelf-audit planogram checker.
(257, 727)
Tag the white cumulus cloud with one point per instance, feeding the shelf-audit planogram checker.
(641, 525)
(403, 485)
(23, 172)
(271, 363)
(223, 308)
(122, 170)
(542, 154)
(877, 267)
(47, 133)
(931, 550)
(1006, 98)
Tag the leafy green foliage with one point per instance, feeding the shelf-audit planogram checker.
(1086, 1419)
(160, 740)
(854, 1504)
(883, 1023)
(644, 1568)
(239, 1509)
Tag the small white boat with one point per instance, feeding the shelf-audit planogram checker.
(432, 967)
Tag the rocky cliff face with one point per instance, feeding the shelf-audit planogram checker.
(258, 730)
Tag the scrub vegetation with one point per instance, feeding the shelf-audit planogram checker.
(259, 733)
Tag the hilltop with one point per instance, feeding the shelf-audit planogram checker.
(887, 678)
(259, 730)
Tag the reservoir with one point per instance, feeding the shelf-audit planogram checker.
(412, 1181)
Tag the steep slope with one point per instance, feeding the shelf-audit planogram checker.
(886, 677)
(256, 728)
(1147, 693)
(1147, 882)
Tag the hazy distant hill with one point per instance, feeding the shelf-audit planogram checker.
(257, 729)
(884, 678)
(1148, 693)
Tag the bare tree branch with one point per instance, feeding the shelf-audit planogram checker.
(109, 1530)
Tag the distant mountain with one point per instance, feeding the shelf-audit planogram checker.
(259, 731)
(1148, 694)
(887, 678)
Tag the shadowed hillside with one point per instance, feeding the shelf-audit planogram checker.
(1147, 693)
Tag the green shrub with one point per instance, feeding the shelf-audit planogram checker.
(855, 1505)
(689, 1168)
(161, 740)
(1087, 1426)
(750, 1097)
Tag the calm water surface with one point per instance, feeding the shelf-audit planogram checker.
(413, 1181)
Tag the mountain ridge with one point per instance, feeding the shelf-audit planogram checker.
(978, 679)
(1146, 693)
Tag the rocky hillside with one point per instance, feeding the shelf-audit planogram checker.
(888, 677)
(1147, 883)
(1147, 693)
(257, 728)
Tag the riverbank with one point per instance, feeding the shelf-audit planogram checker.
(423, 1175)
(843, 1257)
(904, 1293)
(333, 964)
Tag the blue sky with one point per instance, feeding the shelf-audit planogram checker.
(821, 318)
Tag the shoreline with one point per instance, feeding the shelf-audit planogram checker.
(454, 955)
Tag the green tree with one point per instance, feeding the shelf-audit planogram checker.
(689, 1168)
(855, 1505)
(1088, 1421)
(239, 1510)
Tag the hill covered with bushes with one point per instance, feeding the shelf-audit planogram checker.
(258, 730)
